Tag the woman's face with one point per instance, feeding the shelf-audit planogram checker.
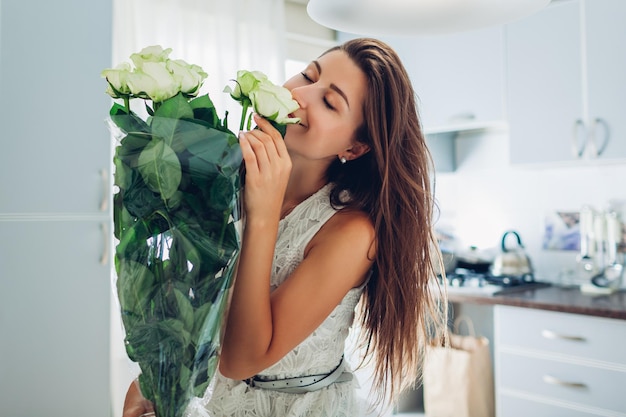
(331, 92)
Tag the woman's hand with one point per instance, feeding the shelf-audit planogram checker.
(268, 166)
(135, 405)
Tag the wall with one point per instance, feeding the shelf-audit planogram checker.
(486, 196)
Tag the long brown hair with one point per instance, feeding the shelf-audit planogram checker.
(392, 183)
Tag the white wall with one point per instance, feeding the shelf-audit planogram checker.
(486, 196)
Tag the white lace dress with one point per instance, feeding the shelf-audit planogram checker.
(319, 353)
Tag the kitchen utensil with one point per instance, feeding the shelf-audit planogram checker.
(512, 262)
(474, 259)
(585, 259)
(611, 275)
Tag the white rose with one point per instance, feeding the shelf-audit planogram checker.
(274, 103)
(117, 79)
(245, 83)
(153, 81)
(189, 76)
(150, 54)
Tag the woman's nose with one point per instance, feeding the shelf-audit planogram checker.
(298, 95)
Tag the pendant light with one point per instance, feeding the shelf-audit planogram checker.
(416, 17)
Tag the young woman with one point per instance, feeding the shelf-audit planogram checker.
(338, 214)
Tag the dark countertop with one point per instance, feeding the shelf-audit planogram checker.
(554, 298)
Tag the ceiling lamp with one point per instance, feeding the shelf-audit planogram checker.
(414, 17)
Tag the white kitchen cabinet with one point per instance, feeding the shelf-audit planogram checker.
(558, 364)
(54, 319)
(458, 78)
(55, 269)
(55, 144)
(566, 82)
(459, 83)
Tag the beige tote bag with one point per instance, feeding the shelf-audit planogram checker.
(458, 380)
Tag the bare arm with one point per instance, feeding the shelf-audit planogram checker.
(135, 405)
(263, 327)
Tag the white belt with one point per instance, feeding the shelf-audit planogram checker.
(303, 384)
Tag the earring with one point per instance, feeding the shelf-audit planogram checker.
(343, 159)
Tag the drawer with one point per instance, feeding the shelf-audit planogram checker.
(511, 406)
(574, 383)
(588, 337)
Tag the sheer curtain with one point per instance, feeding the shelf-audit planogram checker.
(222, 36)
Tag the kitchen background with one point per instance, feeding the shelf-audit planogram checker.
(500, 107)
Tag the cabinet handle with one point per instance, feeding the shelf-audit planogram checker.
(104, 257)
(104, 202)
(578, 146)
(549, 379)
(607, 134)
(549, 334)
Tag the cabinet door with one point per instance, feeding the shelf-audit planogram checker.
(55, 141)
(606, 69)
(54, 319)
(513, 406)
(544, 84)
(458, 78)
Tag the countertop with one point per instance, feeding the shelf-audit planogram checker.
(554, 298)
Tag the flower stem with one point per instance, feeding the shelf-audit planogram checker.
(244, 112)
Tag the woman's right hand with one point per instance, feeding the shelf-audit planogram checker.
(135, 405)
(268, 166)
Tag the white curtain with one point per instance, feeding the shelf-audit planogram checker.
(222, 36)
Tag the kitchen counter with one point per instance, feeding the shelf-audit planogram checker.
(554, 298)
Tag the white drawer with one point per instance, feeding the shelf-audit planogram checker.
(574, 383)
(588, 337)
(511, 406)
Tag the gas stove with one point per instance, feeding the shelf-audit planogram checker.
(465, 281)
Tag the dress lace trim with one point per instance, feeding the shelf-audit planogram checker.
(319, 353)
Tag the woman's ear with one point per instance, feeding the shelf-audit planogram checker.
(357, 150)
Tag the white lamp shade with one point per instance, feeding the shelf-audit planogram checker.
(414, 17)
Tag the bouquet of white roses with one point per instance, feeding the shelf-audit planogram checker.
(178, 179)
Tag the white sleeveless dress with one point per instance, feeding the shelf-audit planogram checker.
(319, 353)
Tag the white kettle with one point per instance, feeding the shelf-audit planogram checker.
(512, 262)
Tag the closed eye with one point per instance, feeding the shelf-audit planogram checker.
(310, 80)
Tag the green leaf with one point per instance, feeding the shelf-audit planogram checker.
(231, 160)
(123, 174)
(280, 127)
(204, 109)
(132, 243)
(176, 107)
(130, 148)
(135, 287)
(185, 310)
(127, 121)
(222, 193)
(184, 253)
(160, 168)
(199, 316)
(158, 343)
(210, 146)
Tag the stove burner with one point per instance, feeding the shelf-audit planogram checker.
(500, 284)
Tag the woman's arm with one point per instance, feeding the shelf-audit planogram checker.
(262, 327)
(135, 405)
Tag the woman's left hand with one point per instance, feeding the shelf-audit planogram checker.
(268, 166)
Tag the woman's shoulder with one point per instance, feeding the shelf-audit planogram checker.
(351, 226)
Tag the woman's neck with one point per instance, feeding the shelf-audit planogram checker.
(302, 184)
